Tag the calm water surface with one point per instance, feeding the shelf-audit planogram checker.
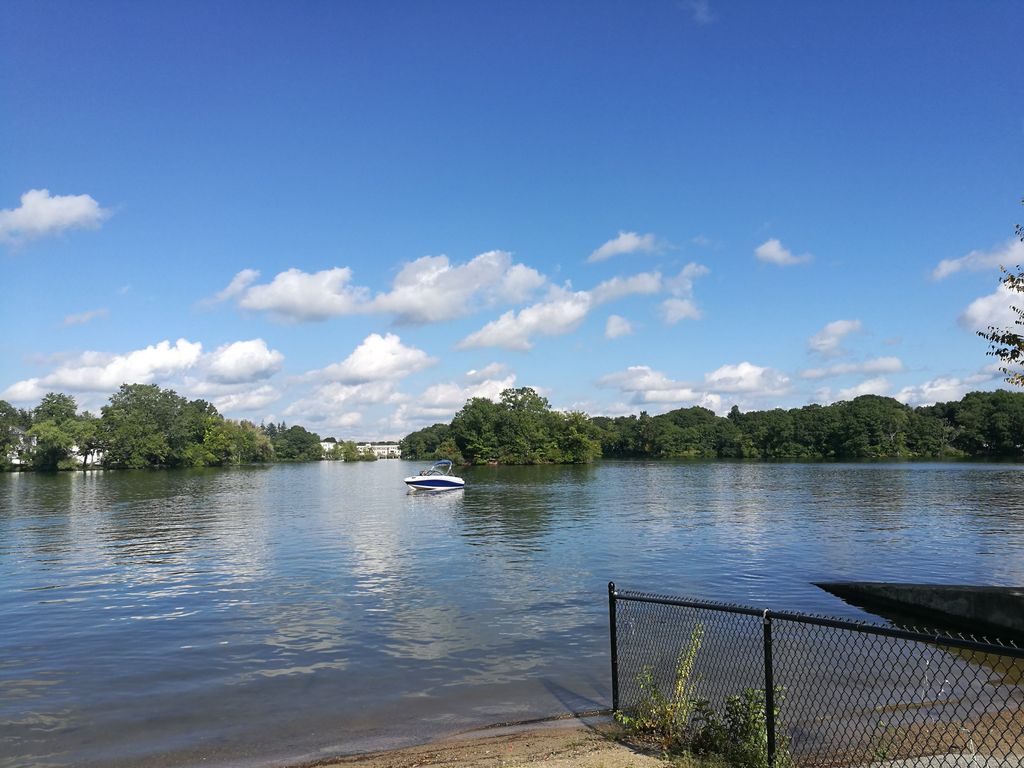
(265, 616)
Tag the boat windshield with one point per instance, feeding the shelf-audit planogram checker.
(442, 467)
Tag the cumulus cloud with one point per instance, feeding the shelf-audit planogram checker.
(674, 310)
(84, 317)
(618, 287)
(490, 371)
(944, 389)
(238, 284)
(377, 359)
(339, 406)
(877, 386)
(298, 296)
(626, 242)
(994, 309)
(243, 361)
(41, 214)
(682, 306)
(875, 365)
(682, 284)
(101, 372)
(253, 399)
(773, 252)
(440, 402)
(561, 312)
(747, 377)
(426, 290)
(1007, 255)
(431, 289)
(827, 342)
(617, 327)
(646, 386)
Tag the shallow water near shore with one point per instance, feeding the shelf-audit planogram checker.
(258, 616)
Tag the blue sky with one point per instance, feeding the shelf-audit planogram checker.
(356, 216)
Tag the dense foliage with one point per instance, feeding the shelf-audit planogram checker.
(142, 426)
(522, 429)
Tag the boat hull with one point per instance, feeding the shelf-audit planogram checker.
(435, 483)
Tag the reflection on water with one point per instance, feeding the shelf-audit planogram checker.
(253, 616)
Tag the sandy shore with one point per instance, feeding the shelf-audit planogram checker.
(564, 744)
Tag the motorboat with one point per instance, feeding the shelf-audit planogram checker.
(439, 477)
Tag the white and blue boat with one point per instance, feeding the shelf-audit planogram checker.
(439, 477)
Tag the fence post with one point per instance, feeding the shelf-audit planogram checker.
(769, 689)
(615, 646)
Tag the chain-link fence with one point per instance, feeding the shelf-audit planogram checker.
(829, 692)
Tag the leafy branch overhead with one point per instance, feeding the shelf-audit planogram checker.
(1006, 343)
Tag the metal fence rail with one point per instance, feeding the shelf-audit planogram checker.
(845, 693)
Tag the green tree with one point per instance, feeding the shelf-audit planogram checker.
(88, 439)
(522, 438)
(474, 431)
(54, 429)
(423, 444)
(577, 439)
(14, 423)
(136, 425)
(297, 444)
(1006, 343)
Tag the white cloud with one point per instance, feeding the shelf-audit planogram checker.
(100, 372)
(238, 284)
(84, 317)
(561, 312)
(1006, 255)
(28, 390)
(682, 284)
(491, 371)
(254, 399)
(682, 306)
(430, 289)
(41, 214)
(994, 309)
(426, 290)
(645, 385)
(626, 242)
(827, 341)
(440, 402)
(875, 365)
(747, 377)
(336, 407)
(243, 361)
(377, 359)
(773, 252)
(519, 284)
(944, 389)
(617, 327)
(617, 287)
(297, 296)
(877, 386)
(674, 310)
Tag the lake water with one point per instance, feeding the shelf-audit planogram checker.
(262, 616)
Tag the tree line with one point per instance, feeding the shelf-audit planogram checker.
(522, 429)
(145, 426)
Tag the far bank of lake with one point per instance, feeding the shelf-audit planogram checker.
(257, 615)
